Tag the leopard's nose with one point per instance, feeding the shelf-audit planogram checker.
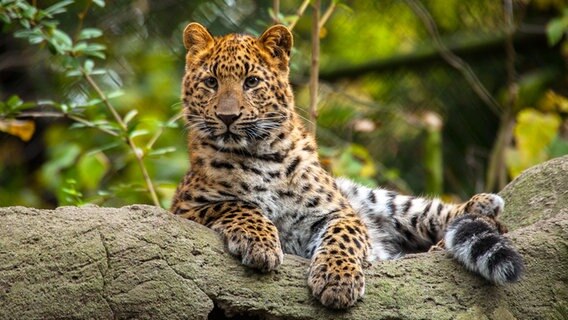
(228, 119)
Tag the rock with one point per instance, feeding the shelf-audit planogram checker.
(142, 262)
(538, 193)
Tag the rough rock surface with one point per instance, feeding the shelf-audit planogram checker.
(141, 262)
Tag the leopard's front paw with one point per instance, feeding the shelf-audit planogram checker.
(259, 252)
(337, 282)
(485, 204)
(264, 257)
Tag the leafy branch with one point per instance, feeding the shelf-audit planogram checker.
(39, 27)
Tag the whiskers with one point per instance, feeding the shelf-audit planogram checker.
(261, 128)
(308, 121)
(203, 125)
(243, 134)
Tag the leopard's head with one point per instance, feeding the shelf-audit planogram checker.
(235, 89)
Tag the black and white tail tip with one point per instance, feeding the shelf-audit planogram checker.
(477, 244)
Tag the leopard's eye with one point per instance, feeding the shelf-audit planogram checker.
(251, 82)
(211, 82)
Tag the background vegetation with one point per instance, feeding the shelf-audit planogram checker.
(430, 97)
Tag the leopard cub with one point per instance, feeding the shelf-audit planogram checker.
(255, 178)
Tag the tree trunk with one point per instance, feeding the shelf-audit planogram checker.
(142, 262)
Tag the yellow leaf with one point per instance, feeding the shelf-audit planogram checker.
(551, 101)
(534, 132)
(23, 129)
(322, 32)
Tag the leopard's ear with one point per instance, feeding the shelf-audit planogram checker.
(278, 41)
(196, 38)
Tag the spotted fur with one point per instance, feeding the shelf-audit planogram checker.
(256, 179)
(470, 231)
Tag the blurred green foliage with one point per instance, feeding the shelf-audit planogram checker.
(382, 80)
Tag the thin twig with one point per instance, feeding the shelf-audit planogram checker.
(327, 14)
(497, 170)
(41, 115)
(276, 11)
(82, 16)
(139, 158)
(104, 99)
(314, 71)
(451, 58)
(67, 116)
(137, 151)
(299, 13)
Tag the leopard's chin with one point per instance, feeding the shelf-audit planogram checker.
(230, 140)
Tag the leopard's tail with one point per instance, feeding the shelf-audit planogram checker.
(477, 244)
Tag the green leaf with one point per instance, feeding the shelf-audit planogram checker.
(25, 23)
(89, 33)
(115, 94)
(23, 33)
(129, 116)
(29, 12)
(100, 3)
(94, 48)
(138, 133)
(92, 168)
(14, 102)
(104, 124)
(84, 124)
(35, 39)
(5, 18)
(59, 7)
(100, 124)
(88, 66)
(96, 54)
(162, 151)
(63, 156)
(63, 107)
(554, 30)
(104, 193)
(71, 192)
(93, 102)
(60, 157)
(558, 147)
(98, 71)
(68, 62)
(26, 105)
(73, 73)
(80, 47)
(170, 124)
(61, 41)
(91, 49)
